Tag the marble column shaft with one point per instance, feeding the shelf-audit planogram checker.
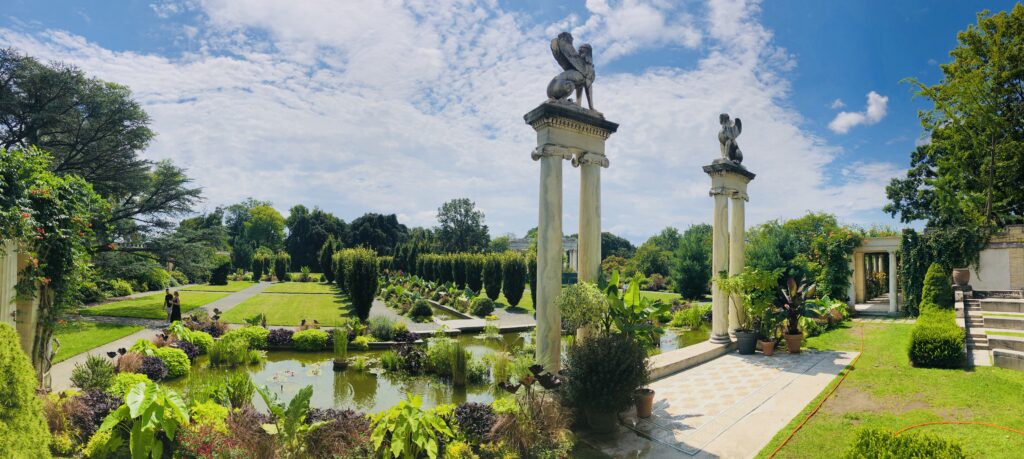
(892, 283)
(719, 263)
(549, 262)
(737, 234)
(590, 220)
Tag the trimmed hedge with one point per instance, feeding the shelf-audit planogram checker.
(176, 360)
(482, 307)
(221, 270)
(936, 340)
(310, 340)
(881, 444)
(492, 276)
(23, 430)
(255, 335)
(514, 272)
(938, 288)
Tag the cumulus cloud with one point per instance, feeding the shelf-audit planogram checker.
(389, 107)
(875, 111)
(838, 103)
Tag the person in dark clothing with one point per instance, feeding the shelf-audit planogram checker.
(168, 299)
(176, 307)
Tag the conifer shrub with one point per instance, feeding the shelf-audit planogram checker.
(363, 277)
(96, 373)
(23, 431)
(514, 272)
(492, 276)
(531, 268)
(475, 272)
(282, 261)
(938, 289)
(326, 258)
(221, 270)
(936, 341)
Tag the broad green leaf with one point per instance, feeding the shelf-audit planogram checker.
(137, 397)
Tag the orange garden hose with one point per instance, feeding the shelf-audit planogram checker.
(898, 432)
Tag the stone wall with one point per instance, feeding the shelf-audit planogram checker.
(1002, 262)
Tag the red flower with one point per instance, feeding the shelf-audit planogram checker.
(40, 230)
(46, 281)
(25, 215)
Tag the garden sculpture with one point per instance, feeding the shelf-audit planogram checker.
(579, 70)
(731, 129)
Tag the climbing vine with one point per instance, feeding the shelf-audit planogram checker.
(50, 217)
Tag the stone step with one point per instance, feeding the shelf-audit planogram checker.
(1004, 323)
(1005, 358)
(1002, 305)
(1013, 343)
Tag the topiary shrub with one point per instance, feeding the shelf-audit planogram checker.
(124, 382)
(221, 270)
(492, 276)
(23, 431)
(280, 338)
(513, 282)
(936, 340)
(421, 310)
(603, 371)
(177, 362)
(255, 335)
(482, 306)
(281, 263)
(938, 289)
(882, 444)
(311, 340)
(96, 373)
(459, 270)
(475, 272)
(363, 275)
(153, 367)
(202, 340)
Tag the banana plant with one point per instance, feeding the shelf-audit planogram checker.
(148, 409)
(290, 421)
(632, 313)
(795, 305)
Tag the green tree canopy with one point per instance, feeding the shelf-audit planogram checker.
(307, 233)
(265, 227)
(691, 271)
(612, 245)
(381, 233)
(461, 227)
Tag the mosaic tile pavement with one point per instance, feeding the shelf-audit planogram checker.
(695, 406)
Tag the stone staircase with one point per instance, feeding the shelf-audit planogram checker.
(990, 324)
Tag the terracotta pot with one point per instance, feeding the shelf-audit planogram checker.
(793, 342)
(767, 347)
(961, 276)
(644, 403)
(745, 341)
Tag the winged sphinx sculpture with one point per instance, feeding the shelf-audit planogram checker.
(579, 70)
(727, 138)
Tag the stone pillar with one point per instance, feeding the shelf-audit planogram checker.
(564, 131)
(892, 283)
(737, 237)
(590, 165)
(728, 181)
(851, 292)
(859, 268)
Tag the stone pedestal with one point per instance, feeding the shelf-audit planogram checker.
(565, 131)
(728, 183)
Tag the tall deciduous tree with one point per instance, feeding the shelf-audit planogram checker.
(265, 227)
(615, 245)
(381, 233)
(307, 233)
(462, 227)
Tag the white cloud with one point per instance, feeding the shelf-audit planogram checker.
(838, 103)
(875, 111)
(387, 107)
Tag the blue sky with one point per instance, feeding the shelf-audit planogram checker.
(399, 106)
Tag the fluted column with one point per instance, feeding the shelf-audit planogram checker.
(590, 165)
(719, 263)
(737, 235)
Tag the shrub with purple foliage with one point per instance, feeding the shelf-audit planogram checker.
(153, 367)
(95, 406)
(191, 350)
(475, 419)
(280, 337)
(406, 336)
(412, 358)
(348, 435)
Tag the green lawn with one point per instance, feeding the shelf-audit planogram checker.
(884, 391)
(151, 306)
(302, 287)
(288, 309)
(996, 314)
(78, 337)
(1004, 333)
(233, 286)
(525, 302)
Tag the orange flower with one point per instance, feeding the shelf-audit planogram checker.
(46, 281)
(25, 215)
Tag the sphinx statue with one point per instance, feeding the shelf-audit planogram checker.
(731, 129)
(579, 71)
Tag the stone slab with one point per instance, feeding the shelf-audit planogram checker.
(1013, 343)
(670, 362)
(1011, 360)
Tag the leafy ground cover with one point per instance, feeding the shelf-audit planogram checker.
(233, 286)
(289, 309)
(151, 306)
(885, 392)
(302, 287)
(80, 336)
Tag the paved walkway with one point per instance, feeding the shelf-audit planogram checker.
(729, 407)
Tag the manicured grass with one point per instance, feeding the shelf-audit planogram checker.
(884, 391)
(289, 309)
(233, 286)
(302, 287)
(78, 337)
(1004, 333)
(151, 306)
(524, 303)
(996, 314)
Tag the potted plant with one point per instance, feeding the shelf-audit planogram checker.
(794, 306)
(603, 374)
(752, 292)
(767, 326)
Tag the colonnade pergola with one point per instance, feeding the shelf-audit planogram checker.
(875, 255)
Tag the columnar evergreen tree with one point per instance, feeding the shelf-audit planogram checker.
(281, 264)
(937, 288)
(262, 263)
(326, 258)
(531, 266)
(475, 272)
(459, 269)
(221, 270)
(514, 272)
(362, 272)
(492, 276)
(342, 262)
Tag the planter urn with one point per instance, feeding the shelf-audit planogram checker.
(644, 403)
(767, 347)
(961, 276)
(793, 342)
(746, 341)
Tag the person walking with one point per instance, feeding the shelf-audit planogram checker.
(168, 299)
(176, 307)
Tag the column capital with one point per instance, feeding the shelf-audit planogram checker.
(728, 192)
(551, 149)
(586, 157)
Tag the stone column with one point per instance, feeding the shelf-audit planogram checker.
(590, 165)
(737, 261)
(728, 180)
(851, 292)
(564, 131)
(892, 283)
